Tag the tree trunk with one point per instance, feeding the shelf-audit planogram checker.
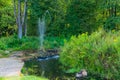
(25, 18)
(25, 28)
(15, 13)
(19, 20)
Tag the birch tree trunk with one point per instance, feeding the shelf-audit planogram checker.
(21, 18)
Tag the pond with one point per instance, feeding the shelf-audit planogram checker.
(47, 66)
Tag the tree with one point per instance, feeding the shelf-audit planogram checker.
(7, 26)
(81, 17)
(20, 17)
(57, 10)
(110, 14)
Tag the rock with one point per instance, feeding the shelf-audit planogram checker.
(0, 55)
(7, 52)
(10, 67)
(81, 74)
(17, 54)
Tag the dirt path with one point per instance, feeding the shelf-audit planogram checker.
(10, 67)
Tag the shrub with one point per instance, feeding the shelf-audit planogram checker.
(98, 53)
(53, 42)
(12, 42)
(29, 42)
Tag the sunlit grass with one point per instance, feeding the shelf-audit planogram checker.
(24, 78)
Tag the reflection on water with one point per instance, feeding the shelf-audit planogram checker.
(44, 66)
(48, 58)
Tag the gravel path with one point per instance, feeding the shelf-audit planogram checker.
(10, 67)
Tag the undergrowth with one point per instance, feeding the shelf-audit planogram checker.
(29, 43)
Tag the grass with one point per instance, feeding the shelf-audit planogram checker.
(12, 43)
(29, 43)
(24, 78)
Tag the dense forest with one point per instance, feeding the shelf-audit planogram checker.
(68, 17)
(83, 36)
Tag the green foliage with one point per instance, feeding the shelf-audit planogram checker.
(57, 10)
(112, 23)
(17, 44)
(98, 53)
(68, 17)
(81, 17)
(53, 42)
(28, 43)
(108, 14)
(7, 22)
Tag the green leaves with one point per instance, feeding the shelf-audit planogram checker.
(6, 18)
(28, 43)
(81, 16)
(97, 53)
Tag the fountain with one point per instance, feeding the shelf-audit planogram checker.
(47, 63)
(42, 28)
(46, 57)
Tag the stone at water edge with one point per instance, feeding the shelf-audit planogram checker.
(82, 73)
(7, 52)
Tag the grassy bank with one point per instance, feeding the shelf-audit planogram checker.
(30, 42)
(12, 43)
(24, 78)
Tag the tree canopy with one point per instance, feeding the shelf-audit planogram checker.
(68, 17)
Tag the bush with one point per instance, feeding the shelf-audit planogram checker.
(98, 53)
(29, 42)
(53, 42)
(14, 43)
